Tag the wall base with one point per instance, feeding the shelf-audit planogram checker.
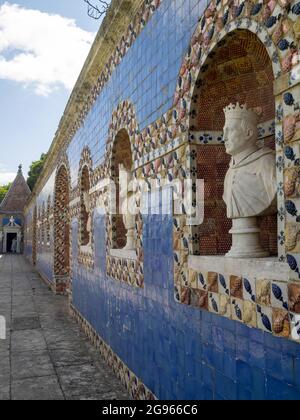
(133, 384)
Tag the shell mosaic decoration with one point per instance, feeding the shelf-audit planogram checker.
(121, 269)
(85, 257)
(292, 182)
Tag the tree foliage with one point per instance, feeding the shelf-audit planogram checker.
(3, 191)
(35, 170)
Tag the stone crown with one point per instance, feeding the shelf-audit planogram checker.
(237, 111)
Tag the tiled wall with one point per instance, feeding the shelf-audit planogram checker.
(175, 348)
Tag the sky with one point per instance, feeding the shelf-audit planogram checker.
(43, 46)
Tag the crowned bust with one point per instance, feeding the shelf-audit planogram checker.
(250, 183)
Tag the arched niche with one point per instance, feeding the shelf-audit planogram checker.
(238, 69)
(121, 155)
(85, 212)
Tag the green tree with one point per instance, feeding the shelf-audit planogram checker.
(35, 170)
(3, 190)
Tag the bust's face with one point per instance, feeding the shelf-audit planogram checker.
(236, 137)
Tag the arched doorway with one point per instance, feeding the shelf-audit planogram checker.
(237, 70)
(62, 232)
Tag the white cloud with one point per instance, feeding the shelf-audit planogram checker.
(6, 177)
(41, 50)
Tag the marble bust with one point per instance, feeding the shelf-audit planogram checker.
(250, 184)
(128, 216)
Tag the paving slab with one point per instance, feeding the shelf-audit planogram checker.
(37, 389)
(31, 364)
(27, 340)
(5, 392)
(26, 323)
(45, 355)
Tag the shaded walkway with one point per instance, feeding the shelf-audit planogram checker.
(45, 355)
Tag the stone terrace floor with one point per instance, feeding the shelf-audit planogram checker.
(45, 355)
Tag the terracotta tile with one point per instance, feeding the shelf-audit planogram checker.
(294, 297)
(281, 323)
(236, 287)
(212, 282)
(263, 292)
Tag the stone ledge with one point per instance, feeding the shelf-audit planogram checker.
(269, 268)
(127, 254)
(86, 249)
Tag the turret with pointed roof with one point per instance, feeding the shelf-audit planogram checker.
(16, 197)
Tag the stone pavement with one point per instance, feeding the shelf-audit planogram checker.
(45, 355)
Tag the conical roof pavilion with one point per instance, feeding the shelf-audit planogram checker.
(16, 197)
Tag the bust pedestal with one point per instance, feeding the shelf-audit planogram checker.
(246, 239)
(130, 239)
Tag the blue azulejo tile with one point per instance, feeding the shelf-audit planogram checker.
(225, 387)
(291, 348)
(218, 359)
(206, 393)
(258, 384)
(208, 376)
(230, 341)
(229, 365)
(257, 355)
(207, 354)
(288, 369)
(242, 330)
(218, 397)
(244, 374)
(273, 364)
(243, 394)
(206, 332)
(256, 335)
(272, 342)
(278, 390)
(297, 372)
(227, 325)
(242, 348)
(217, 337)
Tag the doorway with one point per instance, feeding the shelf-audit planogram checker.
(9, 240)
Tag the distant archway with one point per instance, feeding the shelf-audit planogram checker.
(62, 231)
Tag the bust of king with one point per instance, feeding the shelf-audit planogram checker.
(250, 183)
